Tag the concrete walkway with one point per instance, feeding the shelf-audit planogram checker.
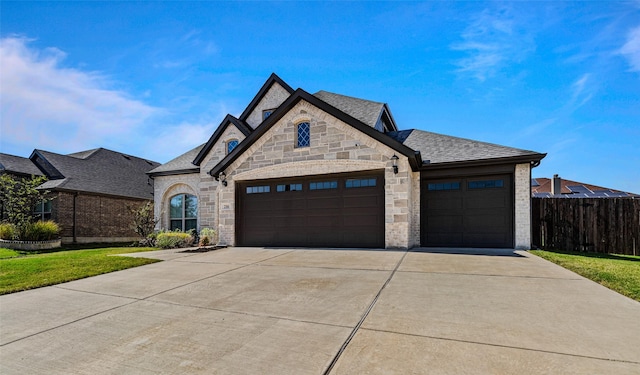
(301, 311)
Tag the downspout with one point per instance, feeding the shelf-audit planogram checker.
(75, 197)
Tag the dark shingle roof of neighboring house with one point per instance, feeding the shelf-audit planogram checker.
(180, 165)
(18, 165)
(364, 110)
(98, 171)
(444, 149)
(541, 188)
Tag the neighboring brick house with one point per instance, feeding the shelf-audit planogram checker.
(557, 187)
(91, 191)
(296, 169)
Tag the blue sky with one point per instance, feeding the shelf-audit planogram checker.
(154, 79)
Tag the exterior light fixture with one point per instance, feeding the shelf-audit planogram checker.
(394, 159)
(223, 178)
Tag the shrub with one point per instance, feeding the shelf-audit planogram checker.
(207, 236)
(40, 231)
(169, 240)
(8, 231)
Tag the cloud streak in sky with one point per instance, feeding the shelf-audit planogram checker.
(47, 105)
(631, 49)
(493, 40)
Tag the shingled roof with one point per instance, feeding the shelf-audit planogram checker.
(98, 171)
(180, 165)
(541, 188)
(366, 111)
(439, 148)
(18, 165)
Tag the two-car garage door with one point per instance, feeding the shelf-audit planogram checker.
(467, 211)
(337, 210)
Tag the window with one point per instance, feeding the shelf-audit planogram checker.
(444, 186)
(231, 144)
(304, 135)
(258, 189)
(323, 185)
(356, 183)
(289, 187)
(266, 113)
(183, 212)
(488, 184)
(42, 211)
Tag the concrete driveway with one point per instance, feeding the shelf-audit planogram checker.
(302, 311)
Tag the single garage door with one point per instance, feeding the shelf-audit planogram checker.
(467, 212)
(338, 210)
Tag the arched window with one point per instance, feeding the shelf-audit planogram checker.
(183, 214)
(303, 138)
(231, 144)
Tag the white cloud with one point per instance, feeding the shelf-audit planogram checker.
(47, 105)
(631, 49)
(493, 40)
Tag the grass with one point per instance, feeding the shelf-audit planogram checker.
(22, 271)
(617, 272)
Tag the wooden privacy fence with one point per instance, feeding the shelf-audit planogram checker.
(602, 225)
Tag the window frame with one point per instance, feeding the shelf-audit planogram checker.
(308, 144)
(43, 210)
(183, 211)
(228, 142)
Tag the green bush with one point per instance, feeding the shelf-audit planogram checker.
(40, 231)
(207, 236)
(8, 231)
(170, 240)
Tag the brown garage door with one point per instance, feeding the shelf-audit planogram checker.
(339, 210)
(467, 212)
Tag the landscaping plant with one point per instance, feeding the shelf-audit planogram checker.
(170, 240)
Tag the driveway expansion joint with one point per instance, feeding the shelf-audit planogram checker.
(501, 346)
(364, 316)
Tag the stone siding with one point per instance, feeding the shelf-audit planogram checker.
(523, 206)
(166, 187)
(271, 100)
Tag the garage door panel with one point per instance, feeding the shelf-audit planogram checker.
(474, 212)
(329, 216)
(444, 202)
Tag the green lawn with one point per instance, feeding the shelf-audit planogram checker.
(617, 272)
(20, 271)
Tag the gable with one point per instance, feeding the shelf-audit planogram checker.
(227, 122)
(333, 144)
(272, 94)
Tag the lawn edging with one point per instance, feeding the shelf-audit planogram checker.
(31, 245)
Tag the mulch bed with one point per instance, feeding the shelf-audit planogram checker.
(203, 249)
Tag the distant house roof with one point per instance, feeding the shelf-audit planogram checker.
(98, 171)
(18, 165)
(541, 188)
(445, 149)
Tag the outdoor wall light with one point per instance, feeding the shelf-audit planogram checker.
(223, 178)
(394, 159)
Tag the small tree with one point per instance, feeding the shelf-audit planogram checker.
(144, 222)
(19, 197)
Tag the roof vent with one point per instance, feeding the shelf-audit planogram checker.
(126, 156)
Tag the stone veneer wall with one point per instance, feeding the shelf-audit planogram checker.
(522, 178)
(335, 147)
(271, 100)
(165, 187)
